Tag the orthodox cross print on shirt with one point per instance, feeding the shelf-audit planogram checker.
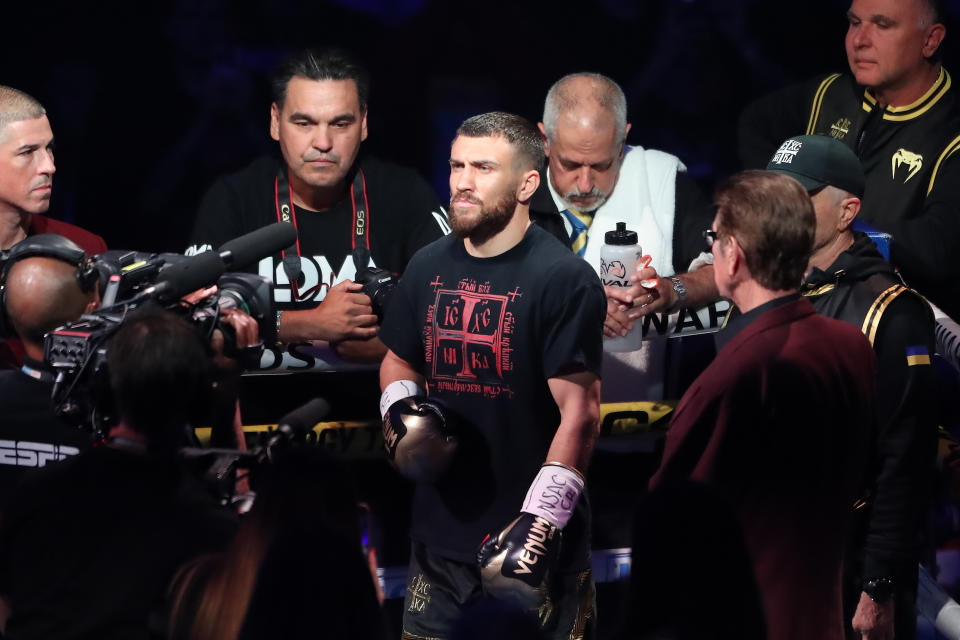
(472, 329)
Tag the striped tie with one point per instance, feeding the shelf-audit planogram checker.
(580, 223)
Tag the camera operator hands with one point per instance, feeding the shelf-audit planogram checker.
(246, 335)
(344, 319)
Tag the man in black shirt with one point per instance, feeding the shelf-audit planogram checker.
(350, 211)
(89, 545)
(503, 324)
(899, 112)
(848, 279)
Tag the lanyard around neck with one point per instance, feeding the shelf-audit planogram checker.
(360, 240)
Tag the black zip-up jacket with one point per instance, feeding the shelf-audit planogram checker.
(860, 287)
(908, 154)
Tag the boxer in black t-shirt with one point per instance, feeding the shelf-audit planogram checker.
(503, 325)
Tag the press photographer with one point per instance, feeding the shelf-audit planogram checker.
(120, 517)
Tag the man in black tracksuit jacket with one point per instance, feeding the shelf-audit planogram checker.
(898, 111)
(849, 280)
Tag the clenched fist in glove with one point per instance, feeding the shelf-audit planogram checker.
(515, 564)
(418, 437)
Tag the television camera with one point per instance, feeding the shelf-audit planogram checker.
(127, 279)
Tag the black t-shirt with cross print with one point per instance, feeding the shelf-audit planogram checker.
(487, 333)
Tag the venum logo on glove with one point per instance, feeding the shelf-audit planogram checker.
(515, 564)
(535, 546)
(393, 430)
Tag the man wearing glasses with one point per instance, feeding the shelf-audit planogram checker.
(790, 475)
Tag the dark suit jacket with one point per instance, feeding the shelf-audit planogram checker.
(780, 423)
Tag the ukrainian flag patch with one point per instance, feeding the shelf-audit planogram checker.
(917, 355)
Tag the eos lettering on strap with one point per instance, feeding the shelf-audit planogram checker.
(554, 494)
(360, 239)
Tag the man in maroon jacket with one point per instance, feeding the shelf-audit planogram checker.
(780, 422)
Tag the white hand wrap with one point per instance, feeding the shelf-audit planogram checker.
(398, 390)
(554, 493)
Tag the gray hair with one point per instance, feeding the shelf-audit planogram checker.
(518, 131)
(604, 91)
(15, 105)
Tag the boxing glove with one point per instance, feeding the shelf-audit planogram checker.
(419, 440)
(516, 563)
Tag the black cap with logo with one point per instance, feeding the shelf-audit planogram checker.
(817, 161)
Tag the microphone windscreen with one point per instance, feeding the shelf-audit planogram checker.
(196, 272)
(303, 418)
(249, 248)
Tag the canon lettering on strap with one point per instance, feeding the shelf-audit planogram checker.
(398, 390)
(554, 493)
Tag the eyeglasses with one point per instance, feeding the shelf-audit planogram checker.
(710, 236)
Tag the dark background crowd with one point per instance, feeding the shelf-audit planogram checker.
(151, 102)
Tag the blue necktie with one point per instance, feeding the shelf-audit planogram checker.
(578, 237)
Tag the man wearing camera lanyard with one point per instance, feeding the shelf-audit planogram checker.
(350, 212)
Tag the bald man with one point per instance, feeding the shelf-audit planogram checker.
(41, 294)
(594, 179)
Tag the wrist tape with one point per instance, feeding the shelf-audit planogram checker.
(554, 493)
(398, 390)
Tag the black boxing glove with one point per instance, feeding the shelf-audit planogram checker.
(515, 564)
(417, 436)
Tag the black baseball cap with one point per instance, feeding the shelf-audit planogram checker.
(817, 161)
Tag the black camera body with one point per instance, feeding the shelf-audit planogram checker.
(379, 285)
(77, 351)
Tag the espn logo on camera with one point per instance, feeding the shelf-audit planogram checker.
(33, 454)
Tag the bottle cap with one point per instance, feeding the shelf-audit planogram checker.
(621, 235)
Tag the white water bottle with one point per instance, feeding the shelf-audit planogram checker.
(618, 260)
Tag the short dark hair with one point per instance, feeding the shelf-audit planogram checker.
(772, 218)
(321, 64)
(160, 373)
(935, 7)
(519, 132)
(16, 105)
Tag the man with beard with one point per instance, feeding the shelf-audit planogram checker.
(350, 211)
(594, 180)
(503, 325)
